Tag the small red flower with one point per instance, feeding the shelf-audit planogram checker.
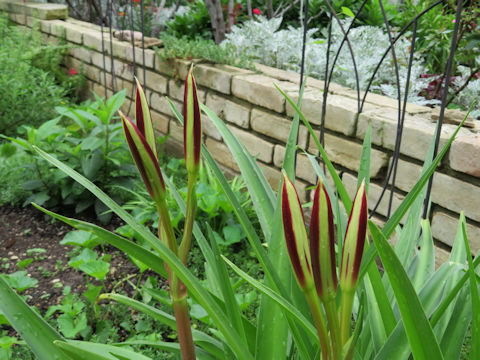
(257, 11)
(137, 1)
(121, 13)
(72, 72)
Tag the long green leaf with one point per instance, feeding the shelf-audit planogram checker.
(302, 320)
(419, 332)
(426, 263)
(457, 326)
(228, 294)
(475, 345)
(213, 346)
(36, 332)
(458, 255)
(193, 284)
(262, 194)
(397, 346)
(364, 169)
(394, 220)
(233, 311)
(342, 191)
(83, 350)
(170, 347)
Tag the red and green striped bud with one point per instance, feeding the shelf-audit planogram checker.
(144, 118)
(322, 244)
(354, 241)
(296, 234)
(141, 141)
(192, 130)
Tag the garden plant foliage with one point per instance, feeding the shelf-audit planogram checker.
(410, 309)
(32, 82)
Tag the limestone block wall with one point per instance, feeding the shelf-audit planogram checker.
(259, 115)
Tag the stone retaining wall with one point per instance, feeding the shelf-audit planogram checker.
(258, 114)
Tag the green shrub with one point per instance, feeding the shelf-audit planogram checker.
(12, 169)
(84, 136)
(32, 82)
(194, 24)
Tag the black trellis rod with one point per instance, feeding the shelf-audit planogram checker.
(401, 116)
(448, 73)
(304, 43)
(345, 36)
(103, 49)
(111, 43)
(143, 43)
(405, 28)
(396, 153)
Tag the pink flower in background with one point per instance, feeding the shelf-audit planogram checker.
(257, 11)
(72, 72)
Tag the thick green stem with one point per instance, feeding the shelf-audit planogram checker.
(346, 314)
(189, 219)
(178, 293)
(165, 224)
(332, 316)
(316, 309)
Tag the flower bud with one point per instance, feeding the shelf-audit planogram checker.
(354, 241)
(144, 118)
(296, 234)
(141, 141)
(192, 130)
(322, 244)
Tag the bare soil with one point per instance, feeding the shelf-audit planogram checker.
(27, 228)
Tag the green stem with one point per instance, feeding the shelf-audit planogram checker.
(166, 224)
(334, 325)
(316, 309)
(138, 284)
(178, 293)
(346, 314)
(189, 219)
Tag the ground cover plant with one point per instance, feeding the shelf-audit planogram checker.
(409, 309)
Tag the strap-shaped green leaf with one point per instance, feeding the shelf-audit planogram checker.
(260, 190)
(475, 350)
(36, 332)
(213, 346)
(397, 345)
(290, 308)
(83, 350)
(422, 340)
(342, 191)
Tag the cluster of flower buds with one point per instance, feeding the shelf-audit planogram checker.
(313, 258)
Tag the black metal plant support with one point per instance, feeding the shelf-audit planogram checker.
(448, 74)
(103, 48)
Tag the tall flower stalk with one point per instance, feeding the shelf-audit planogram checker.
(141, 141)
(314, 262)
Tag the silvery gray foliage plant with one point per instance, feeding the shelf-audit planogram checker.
(261, 40)
(471, 92)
